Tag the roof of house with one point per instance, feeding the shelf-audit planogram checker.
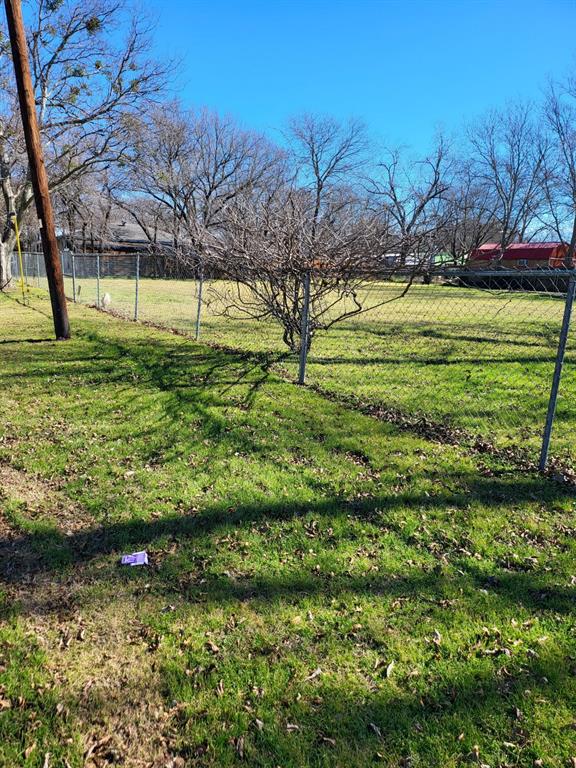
(528, 251)
(119, 235)
(124, 231)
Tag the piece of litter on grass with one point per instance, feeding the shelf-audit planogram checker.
(136, 558)
(313, 675)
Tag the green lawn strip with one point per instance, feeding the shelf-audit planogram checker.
(479, 360)
(323, 589)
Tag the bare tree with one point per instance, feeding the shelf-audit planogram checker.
(325, 154)
(84, 209)
(560, 179)
(191, 166)
(271, 246)
(469, 215)
(409, 195)
(509, 153)
(308, 224)
(91, 74)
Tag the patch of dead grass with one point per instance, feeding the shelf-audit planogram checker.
(99, 657)
(102, 661)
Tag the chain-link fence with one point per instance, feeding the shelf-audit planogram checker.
(468, 357)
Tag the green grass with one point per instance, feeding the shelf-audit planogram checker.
(478, 360)
(323, 589)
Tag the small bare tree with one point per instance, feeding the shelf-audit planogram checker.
(307, 226)
(273, 245)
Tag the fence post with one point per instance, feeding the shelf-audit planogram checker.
(304, 329)
(98, 280)
(137, 293)
(37, 270)
(73, 277)
(557, 371)
(200, 282)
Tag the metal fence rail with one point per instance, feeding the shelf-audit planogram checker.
(480, 354)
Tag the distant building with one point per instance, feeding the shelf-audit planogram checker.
(408, 260)
(115, 237)
(519, 256)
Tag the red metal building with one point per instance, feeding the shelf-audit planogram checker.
(520, 256)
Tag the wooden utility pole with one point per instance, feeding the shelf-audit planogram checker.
(38, 174)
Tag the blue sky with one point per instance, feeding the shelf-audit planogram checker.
(405, 68)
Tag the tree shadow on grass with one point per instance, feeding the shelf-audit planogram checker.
(47, 552)
(28, 341)
(419, 330)
(444, 358)
(474, 711)
(431, 711)
(398, 717)
(195, 383)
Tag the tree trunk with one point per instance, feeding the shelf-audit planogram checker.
(6, 249)
(570, 261)
(19, 203)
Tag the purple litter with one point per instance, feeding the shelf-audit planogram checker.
(136, 558)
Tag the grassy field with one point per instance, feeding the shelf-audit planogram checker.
(323, 590)
(476, 360)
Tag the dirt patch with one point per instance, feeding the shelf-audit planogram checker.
(26, 501)
(40, 500)
(103, 661)
(20, 486)
(99, 654)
